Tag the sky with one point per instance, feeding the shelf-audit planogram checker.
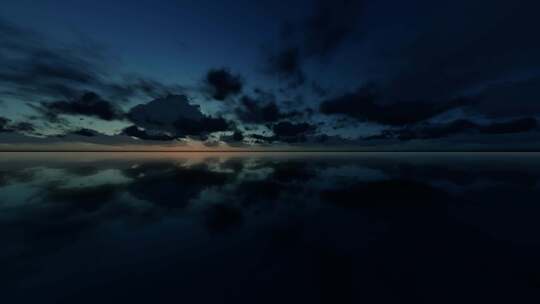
(348, 74)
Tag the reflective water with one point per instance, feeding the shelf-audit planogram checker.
(269, 228)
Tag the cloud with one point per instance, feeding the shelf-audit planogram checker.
(6, 126)
(318, 36)
(367, 104)
(221, 83)
(175, 116)
(457, 127)
(286, 64)
(238, 136)
(258, 138)
(235, 140)
(36, 67)
(137, 86)
(430, 131)
(201, 127)
(489, 58)
(29, 67)
(85, 132)
(510, 99)
(514, 126)
(89, 104)
(253, 111)
(164, 112)
(330, 25)
(261, 110)
(134, 131)
(287, 132)
(318, 89)
(286, 128)
(24, 127)
(442, 59)
(3, 124)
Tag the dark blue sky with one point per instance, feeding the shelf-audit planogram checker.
(168, 40)
(379, 74)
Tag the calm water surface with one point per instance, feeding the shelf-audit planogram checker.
(269, 228)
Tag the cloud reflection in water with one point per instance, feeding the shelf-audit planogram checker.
(257, 228)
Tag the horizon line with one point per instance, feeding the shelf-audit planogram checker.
(268, 151)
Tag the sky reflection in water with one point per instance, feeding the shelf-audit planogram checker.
(267, 228)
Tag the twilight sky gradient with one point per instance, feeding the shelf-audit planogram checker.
(373, 75)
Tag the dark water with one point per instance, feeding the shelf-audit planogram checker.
(262, 228)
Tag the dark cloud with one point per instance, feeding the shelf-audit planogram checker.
(134, 131)
(36, 67)
(6, 126)
(286, 128)
(31, 67)
(23, 127)
(3, 124)
(90, 104)
(221, 83)
(319, 36)
(510, 99)
(134, 86)
(437, 130)
(330, 25)
(438, 63)
(286, 64)
(457, 127)
(318, 89)
(85, 132)
(446, 59)
(255, 110)
(513, 126)
(293, 133)
(367, 104)
(287, 132)
(202, 127)
(164, 112)
(175, 116)
(487, 65)
(40, 70)
(259, 138)
(236, 139)
(238, 136)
